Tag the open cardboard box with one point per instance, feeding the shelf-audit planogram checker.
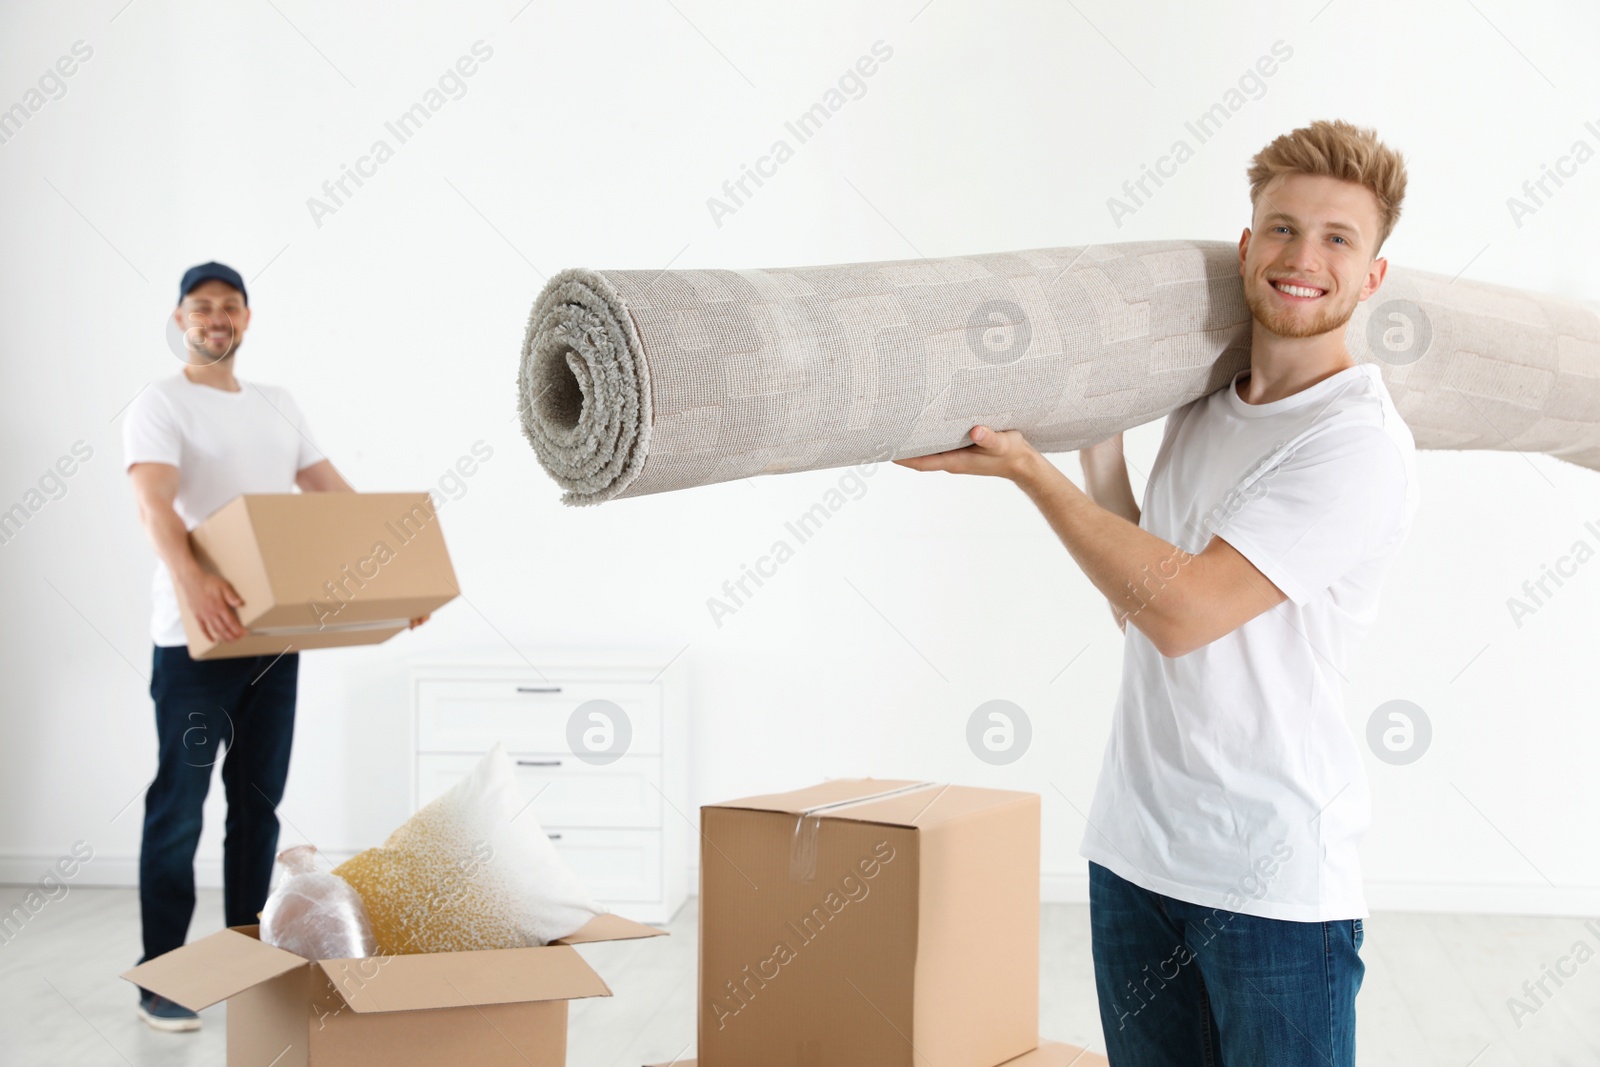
(872, 923)
(493, 1008)
(320, 570)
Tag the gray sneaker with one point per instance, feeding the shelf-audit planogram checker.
(163, 1014)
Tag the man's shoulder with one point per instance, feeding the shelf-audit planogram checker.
(168, 385)
(1360, 411)
(158, 395)
(1368, 406)
(278, 394)
(1363, 437)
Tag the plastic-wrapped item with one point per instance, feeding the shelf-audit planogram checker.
(315, 914)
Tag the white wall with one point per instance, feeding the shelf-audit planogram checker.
(594, 135)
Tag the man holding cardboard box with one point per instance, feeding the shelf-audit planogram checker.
(1224, 882)
(193, 442)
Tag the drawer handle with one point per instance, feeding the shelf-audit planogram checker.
(553, 837)
(538, 763)
(538, 689)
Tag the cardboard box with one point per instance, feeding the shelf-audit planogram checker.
(1048, 1054)
(499, 1008)
(319, 570)
(870, 923)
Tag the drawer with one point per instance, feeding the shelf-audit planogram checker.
(615, 866)
(564, 791)
(533, 716)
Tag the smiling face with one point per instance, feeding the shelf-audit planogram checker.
(1308, 259)
(213, 318)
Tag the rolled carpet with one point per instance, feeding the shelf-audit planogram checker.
(634, 382)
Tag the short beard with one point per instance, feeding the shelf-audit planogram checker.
(206, 358)
(1282, 321)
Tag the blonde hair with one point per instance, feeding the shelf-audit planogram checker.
(1339, 150)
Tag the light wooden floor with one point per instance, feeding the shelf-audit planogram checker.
(1435, 991)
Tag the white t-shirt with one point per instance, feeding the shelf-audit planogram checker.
(1231, 778)
(223, 444)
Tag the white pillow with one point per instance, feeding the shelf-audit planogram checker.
(471, 870)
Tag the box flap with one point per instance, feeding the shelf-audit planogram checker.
(455, 979)
(889, 802)
(211, 970)
(608, 927)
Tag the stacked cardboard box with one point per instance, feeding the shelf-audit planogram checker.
(872, 923)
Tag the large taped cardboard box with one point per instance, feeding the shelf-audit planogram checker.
(321, 570)
(497, 1008)
(869, 923)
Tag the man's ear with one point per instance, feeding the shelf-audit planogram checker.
(1244, 246)
(181, 317)
(1375, 275)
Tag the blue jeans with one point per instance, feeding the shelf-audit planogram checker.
(1182, 984)
(244, 707)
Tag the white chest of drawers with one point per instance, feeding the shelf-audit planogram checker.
(616, 811)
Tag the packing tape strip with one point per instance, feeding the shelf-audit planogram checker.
(340, 627)
(803, 846)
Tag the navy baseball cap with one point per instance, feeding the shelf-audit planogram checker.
(206, 272)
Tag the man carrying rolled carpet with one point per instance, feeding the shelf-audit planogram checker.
(1225, 886)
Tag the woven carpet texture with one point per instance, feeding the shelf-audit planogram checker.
(634, 381)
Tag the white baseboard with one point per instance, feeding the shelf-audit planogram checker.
(1059, 887)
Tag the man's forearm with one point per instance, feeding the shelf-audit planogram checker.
(1129, 565)
(171, 539)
